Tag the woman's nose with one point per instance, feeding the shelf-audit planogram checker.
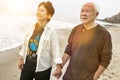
(38, 13)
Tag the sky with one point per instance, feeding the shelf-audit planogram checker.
(69, 9)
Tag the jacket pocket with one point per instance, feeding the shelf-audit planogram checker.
(46, 45)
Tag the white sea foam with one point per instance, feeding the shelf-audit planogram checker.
(13, 29)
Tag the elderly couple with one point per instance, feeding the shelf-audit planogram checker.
(89, 47)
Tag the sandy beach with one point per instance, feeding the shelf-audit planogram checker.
(8, 64)
(9, 58)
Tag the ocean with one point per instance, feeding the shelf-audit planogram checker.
(13, 29)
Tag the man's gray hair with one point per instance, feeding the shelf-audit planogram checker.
(96, 7)
(94, 4)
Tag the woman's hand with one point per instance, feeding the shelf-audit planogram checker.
(20, 63)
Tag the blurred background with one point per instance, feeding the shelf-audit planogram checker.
(17, 15)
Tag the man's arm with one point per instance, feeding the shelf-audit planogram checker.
(58, 72)
(65, 59)
(99, 71)
(105, 55)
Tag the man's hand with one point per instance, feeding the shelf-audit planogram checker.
(20, 63)
(58, 72)
(99, 71)
(95, 77)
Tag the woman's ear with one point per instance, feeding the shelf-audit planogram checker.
(49, 17)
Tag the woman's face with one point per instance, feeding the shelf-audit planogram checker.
(41, 13)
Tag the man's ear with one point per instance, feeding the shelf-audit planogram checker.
(97, 13)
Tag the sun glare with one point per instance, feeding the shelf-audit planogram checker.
(17, 6)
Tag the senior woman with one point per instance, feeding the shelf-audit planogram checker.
(41, 46)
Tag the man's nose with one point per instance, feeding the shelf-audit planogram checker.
(84, 13)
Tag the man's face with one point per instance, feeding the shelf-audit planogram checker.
(88, 13)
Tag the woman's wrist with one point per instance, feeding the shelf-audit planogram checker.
(59, 66)
(21, 57)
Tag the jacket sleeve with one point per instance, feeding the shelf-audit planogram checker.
(24, 45)
(55, 49)
(21, 53)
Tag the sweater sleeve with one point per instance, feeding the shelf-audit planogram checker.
(106, 50)
(68, 49)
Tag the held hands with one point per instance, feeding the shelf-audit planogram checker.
(20, 63)
(58, 72)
